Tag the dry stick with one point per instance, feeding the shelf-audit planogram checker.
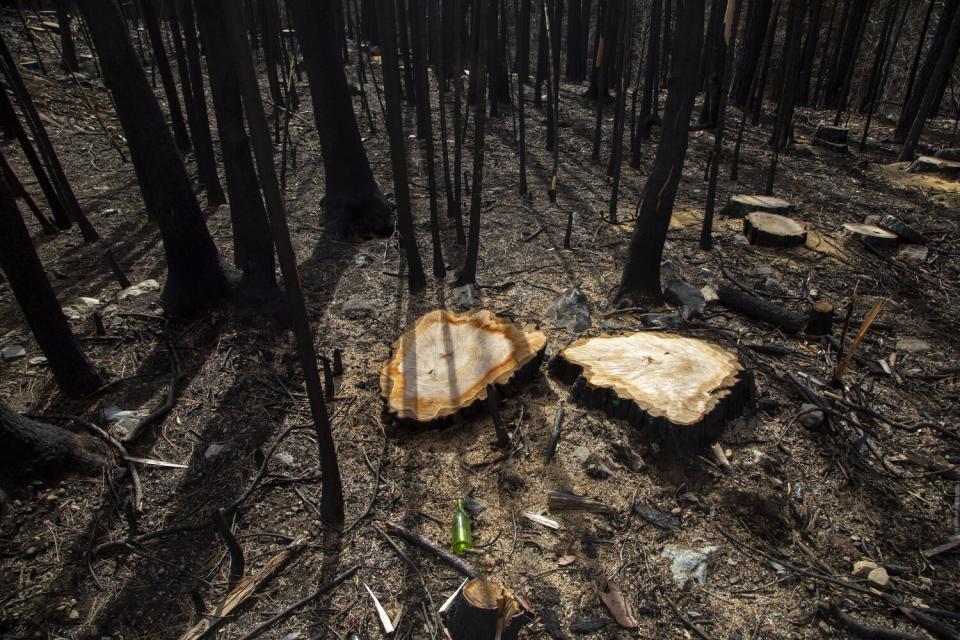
(697, 631)
(554, 106)
(332, 498)
(415, 538)
(861, 630)
(237, 563)
(555, 437)
(176, 374)
(346, 575)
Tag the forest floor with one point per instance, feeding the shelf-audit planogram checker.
(803, 504)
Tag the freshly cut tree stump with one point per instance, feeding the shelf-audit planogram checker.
(772, 230)
(741, 205)
(679, 391)
(872, 235)
(930, 164)
(445, 361)
(482, 608)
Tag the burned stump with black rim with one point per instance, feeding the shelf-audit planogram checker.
(482, 608)
(444, 364)
(771, 230)
(679, 391)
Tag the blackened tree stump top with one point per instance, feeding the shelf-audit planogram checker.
(772, 230)
(740, 205)
(667, 376)
(836, 135)
(445, 361)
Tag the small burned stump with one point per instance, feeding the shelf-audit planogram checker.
(740, 205)
(772, 230)
(679, 391)
(833, 138)
(482, 608)
(444, 363)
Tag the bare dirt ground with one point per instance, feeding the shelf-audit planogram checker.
(803, 506)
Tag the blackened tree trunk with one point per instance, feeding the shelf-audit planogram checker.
(825, 56)
(783, 124)
(252, 244)
(270, 36)
(931, 95)
(758, 17)
(403, 25)
(51, 161)
(68, 52)
(883, 41)
(19, 191)
(938, 49)
(152, 23)
(468, 275)
(879, 90)
(651, 75)
(71, 369)
(195, 274)
(499, 80)
(605, 44)
(28, 446)
(810, 44)
(921, 39)
(523, 42)
(353, 201)
(641, 273)
(398, 152)
(766, 56)
(576, 59)
(194, 97)
(839, 86)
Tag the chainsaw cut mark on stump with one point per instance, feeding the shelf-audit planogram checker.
(680, 379)
(772, 230)
(741, 205)
(446, 361)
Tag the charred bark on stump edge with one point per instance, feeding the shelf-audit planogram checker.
(678, 438)
(478, 407)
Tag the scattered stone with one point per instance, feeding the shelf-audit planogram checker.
(811, 417)
(467, 296)
(475, 506)
(358, 307)
(80, 307)
(598, 470)
(581, 455)
(929, 164)
(689, 564)
(13, 353)
(285, 459)
(913, 253)
(687, 297)
(913, 345)
(137, 290)
(862, 568)
(73, 615)
(879, 577)
(571, 311)
(363, 260)
(214, 451)
(740, 205)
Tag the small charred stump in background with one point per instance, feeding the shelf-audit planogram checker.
(679, 391)
(482, 607)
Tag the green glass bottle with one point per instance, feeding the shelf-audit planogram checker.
(462, 530)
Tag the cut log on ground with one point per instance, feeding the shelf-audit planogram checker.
(444, 363)
(679, 391)
(483, 608)
(773, 230)
(873, 236)
(760, 309)
(741, 205)
(930, 164)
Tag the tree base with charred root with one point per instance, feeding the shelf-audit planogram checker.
(30, 446)
(679, 391)
(369, 215)
(445, 362)
(483, 608)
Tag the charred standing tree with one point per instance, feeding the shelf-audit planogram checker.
(783, 124)
(522, 65)
(883, 42)
(152, 24)
(889, 53)
(810, 44)
(938, 51)
(576, 59)
(606, 39)
(49, 155)
(921, 39)
(838, 86)
(648, 105)
(931, 95)
(353, 201)
(195, 274)
(28, 446)
(195, 100)
(398, 152)
(641, 273)
(764, 68)
(758, 17)
(71, 369)
(68, 52)
(252, 244)
(270, 37)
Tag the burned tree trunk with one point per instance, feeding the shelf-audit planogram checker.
(152, 23)
(648, 102)
(353, 201)
(810, 44)
(758, 17)
(195, 274)
(253, 246)
(641, 273)
(68, 52)
(30, 446)
(73, 372)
